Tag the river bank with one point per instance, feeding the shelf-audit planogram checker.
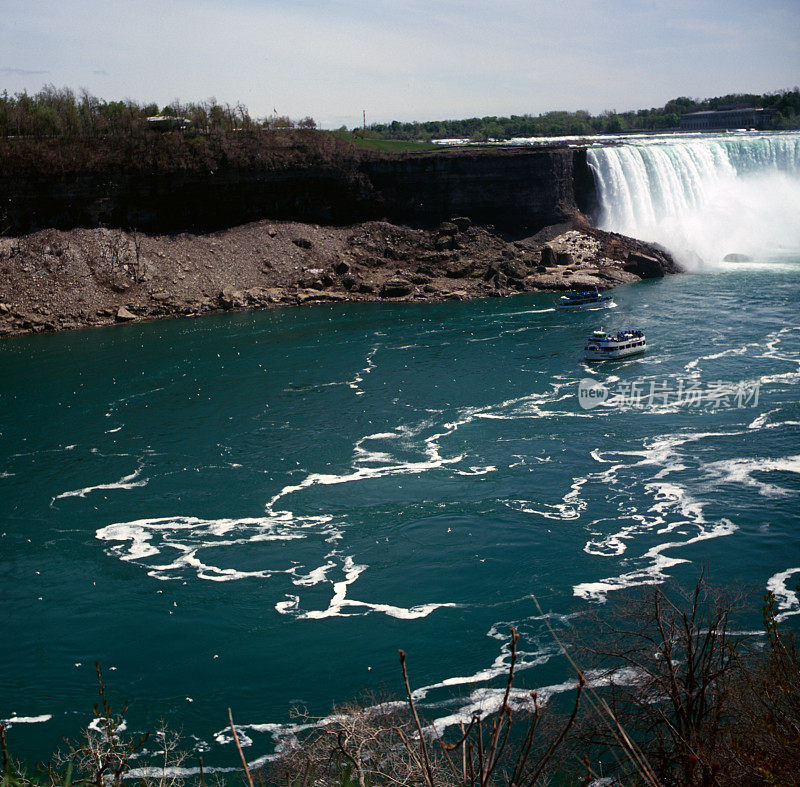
(55, 279)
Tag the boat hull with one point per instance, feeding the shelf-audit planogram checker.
(606, 304)
(613, 353)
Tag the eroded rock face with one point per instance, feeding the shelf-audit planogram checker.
(516, 190)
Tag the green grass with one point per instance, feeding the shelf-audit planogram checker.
(384, 145)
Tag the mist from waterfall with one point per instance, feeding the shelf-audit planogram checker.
(703, 197)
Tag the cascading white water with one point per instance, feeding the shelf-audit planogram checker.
(703, 197)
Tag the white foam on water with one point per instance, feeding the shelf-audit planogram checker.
(362, 468)
(27, 719)
(673, 509)
(485, 701)
(356, 382)
(759, 422)
(570, 507)
(477, 471)
(774, 352)
(315, 576)
(97, 724)
(787, 599)
(184, 536)
(341, 606)
(742, 470)
(126, 482)
(374, 456)
(694, 367)
(176, 772)
(655, 572)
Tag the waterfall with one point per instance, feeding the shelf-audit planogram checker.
(703, 197)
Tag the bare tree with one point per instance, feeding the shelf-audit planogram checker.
(671, 665)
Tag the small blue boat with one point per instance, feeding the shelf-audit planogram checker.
(591, 299)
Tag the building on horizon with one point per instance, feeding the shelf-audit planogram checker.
(716, 120)
(168, 123)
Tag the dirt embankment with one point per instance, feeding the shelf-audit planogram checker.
(54, 279)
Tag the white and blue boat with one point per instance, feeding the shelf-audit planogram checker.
(604, 346)
(590, 299)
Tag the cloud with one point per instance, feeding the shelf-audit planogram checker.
(25, 72)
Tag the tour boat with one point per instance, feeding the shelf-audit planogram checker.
(590, 299)
(604, 346)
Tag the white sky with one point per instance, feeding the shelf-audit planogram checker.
(403, 60)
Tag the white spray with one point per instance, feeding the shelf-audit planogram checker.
(704, 197)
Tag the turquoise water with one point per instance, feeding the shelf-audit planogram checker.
(257, 510)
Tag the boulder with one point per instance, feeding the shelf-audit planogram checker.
(514, 269)
(737, 258)
(123, 315)
(460, 271)
(302, 243)
(461, 222)
(230, 298)
(616, 276)
(314, 296)
(341, 268)
(547, 281)
(257, 295)
(583, 282)
(314, 278)
(643, 266)
(445, 243)
(564, 258)
(396, 288)
(548, 256)
(448, 228)
(119, 282)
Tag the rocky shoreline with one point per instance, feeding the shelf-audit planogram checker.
(65, 279)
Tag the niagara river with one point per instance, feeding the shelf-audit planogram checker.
(256, 510)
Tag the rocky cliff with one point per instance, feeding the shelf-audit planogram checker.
(518, 191)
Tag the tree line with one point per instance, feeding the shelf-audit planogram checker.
(60, 112)
(582, 123)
